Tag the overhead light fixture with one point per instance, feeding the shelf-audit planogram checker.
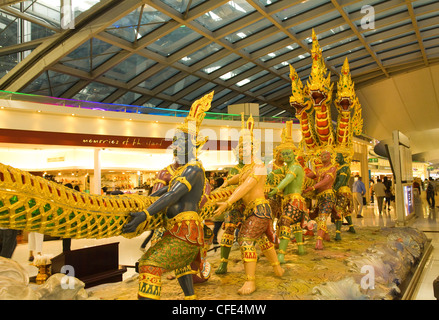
(241, 35)
(214, 16)
(242, 82)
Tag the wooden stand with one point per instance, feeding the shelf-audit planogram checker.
(93, 266)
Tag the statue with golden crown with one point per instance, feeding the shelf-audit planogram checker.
(257, 223)
(290, 189)
(183, 240)
(233, 215)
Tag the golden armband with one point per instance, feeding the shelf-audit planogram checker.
(185, 182)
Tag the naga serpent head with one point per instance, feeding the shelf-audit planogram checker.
(299, 98)
(346, 96)
(319, 83)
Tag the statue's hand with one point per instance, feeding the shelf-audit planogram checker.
(270, 178)
(273, 192)
(136, 219)
(225, 184)
(222, 206)
(309, 189)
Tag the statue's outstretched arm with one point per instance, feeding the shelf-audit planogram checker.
(177, 190)
(160, 192)
(290, 176)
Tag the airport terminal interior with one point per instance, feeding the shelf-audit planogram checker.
(93, 91)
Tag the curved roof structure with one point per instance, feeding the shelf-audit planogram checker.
(167, 53)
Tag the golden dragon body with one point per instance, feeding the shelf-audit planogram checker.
(32, 203)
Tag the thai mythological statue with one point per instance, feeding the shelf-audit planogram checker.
(290, 189)
(327, 143)
(349, 122)
(274, 177)
(349, 110)
(344, 204)
(183, 239)
(325, 175)
(257, 223)
(232, 220)
(301, 102)
(320, 91)
(163, 179)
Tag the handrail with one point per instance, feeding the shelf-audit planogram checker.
(83, 104)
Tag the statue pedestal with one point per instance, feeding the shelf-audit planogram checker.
(93, 266)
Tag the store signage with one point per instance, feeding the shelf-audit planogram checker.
(373, 160)
(94, 140)
(56, 159)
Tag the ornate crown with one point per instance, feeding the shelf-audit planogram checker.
(345, 87)
(298, 91)
(320, 78)
(196, 115)
(247, 129)
(287, 138)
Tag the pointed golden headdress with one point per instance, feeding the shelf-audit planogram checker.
(320, 78)
(196, 115)
(345, 86)
(287, 138)
(298, 92)
(246, 129)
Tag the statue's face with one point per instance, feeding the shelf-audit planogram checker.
(339, 158)
(288, 155)
(245, 150)
(181, 144)
(325, 156)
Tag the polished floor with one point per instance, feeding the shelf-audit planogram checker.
(426, 220)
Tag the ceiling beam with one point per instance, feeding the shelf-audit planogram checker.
(285, 30)
(28, 17)
(67, 41)
(418, 33)
(209, 35)
(359, 35)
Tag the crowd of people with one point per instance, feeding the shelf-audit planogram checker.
(383, 191)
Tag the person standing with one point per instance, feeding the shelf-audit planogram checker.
(358, 191)
(388, 184)
(431, 191)
(8, 242)
(35, 241)
(380, 192)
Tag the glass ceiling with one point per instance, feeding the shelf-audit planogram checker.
(167, 53)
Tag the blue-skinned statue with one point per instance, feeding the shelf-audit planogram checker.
(183, 239)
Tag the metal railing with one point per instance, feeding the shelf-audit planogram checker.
(15, 96)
